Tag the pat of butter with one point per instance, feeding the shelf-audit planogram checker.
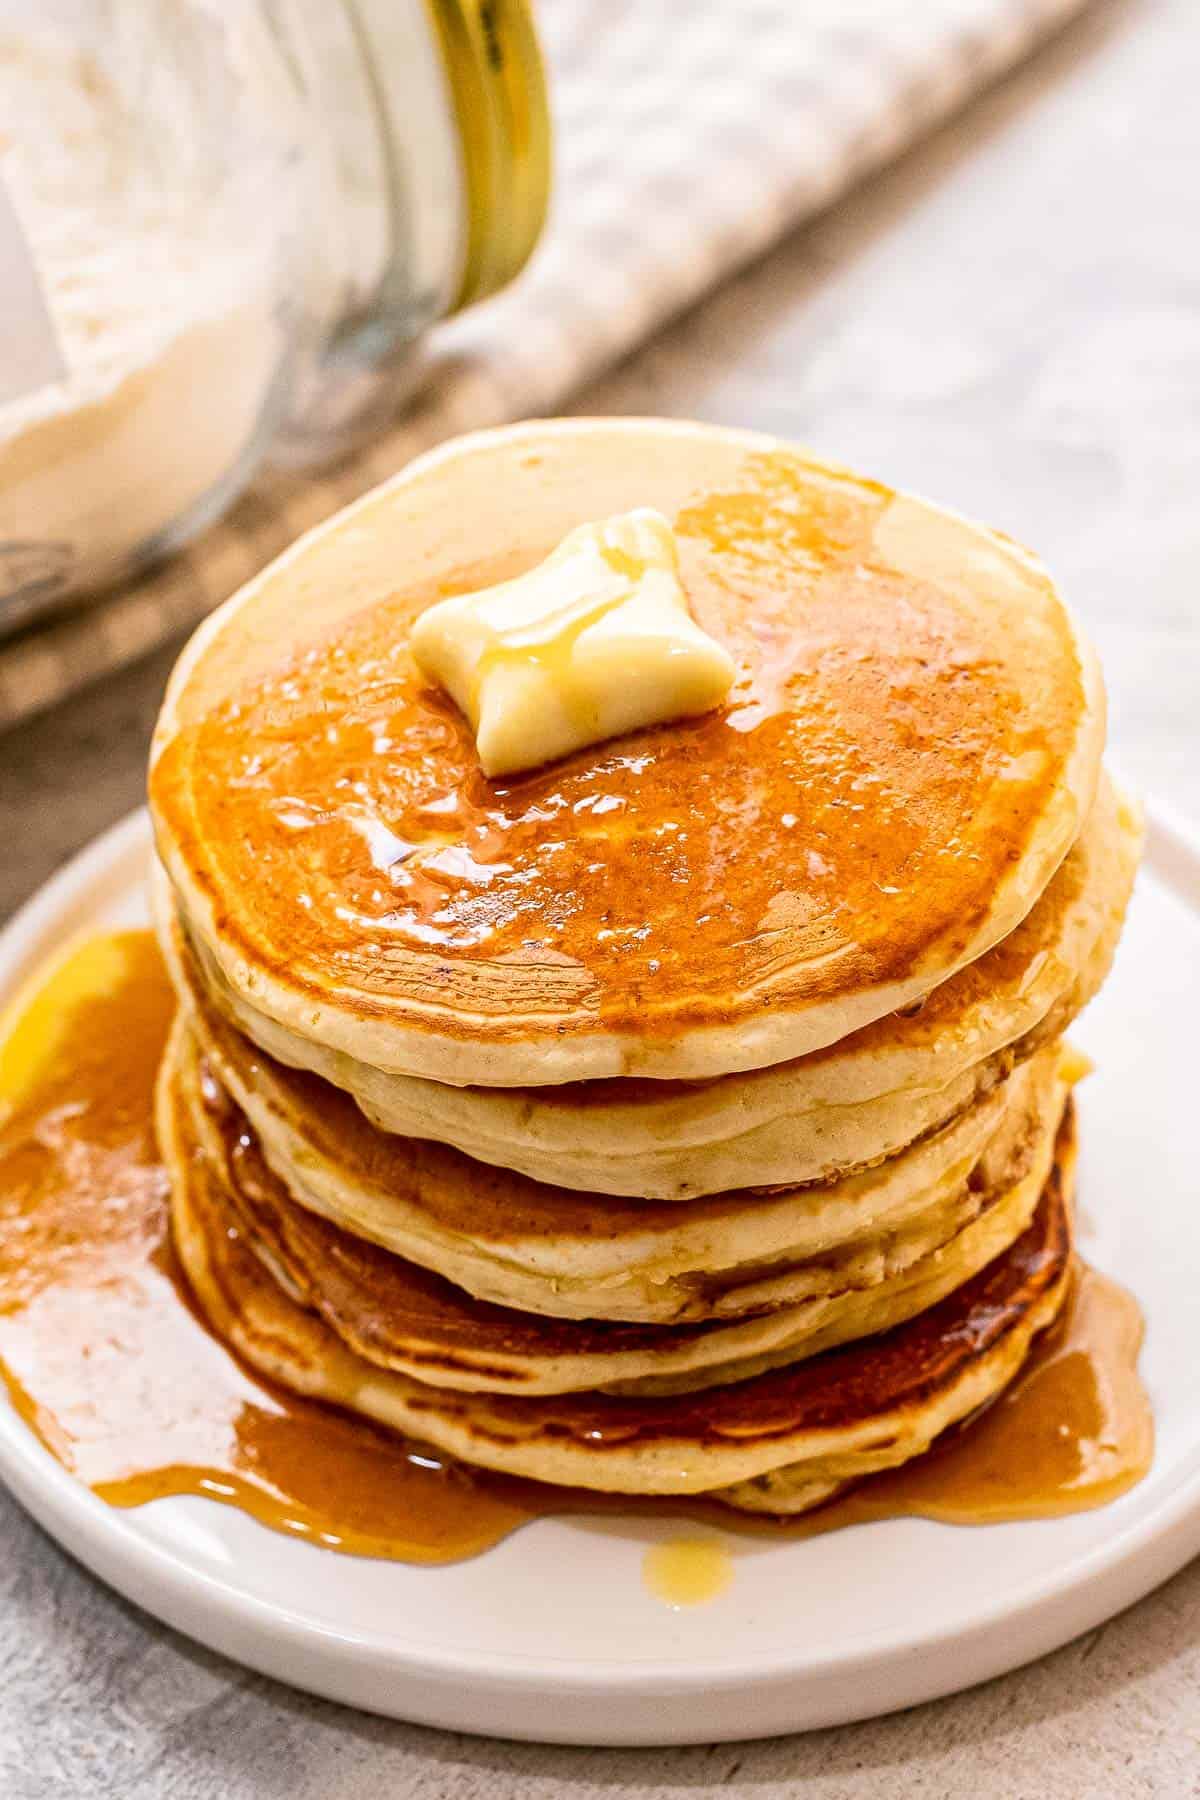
(593, 642)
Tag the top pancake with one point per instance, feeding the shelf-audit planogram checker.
(909, 751)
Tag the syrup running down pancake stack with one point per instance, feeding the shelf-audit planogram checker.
(688, 1115)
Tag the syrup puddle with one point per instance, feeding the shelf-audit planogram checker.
(105, 1359)
(687, 1571)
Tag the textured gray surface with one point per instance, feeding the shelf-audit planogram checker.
(1010, 322)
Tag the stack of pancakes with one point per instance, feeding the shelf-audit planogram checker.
(689, 1116)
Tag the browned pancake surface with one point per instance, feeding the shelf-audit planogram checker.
(882, 763)
(892, 1373)
(378, 1301)
(902, 1370)
(477, 1199)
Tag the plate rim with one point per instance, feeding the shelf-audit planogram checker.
(1053, 1608)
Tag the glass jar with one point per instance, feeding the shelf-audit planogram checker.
(224, 226)
(434, 161)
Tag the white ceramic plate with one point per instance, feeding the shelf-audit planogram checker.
(553, 1635)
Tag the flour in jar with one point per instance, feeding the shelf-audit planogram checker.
(159, 281)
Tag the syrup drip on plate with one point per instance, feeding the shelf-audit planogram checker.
(687, 1571)
(106, 1360)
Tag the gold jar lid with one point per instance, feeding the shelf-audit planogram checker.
(497, 83)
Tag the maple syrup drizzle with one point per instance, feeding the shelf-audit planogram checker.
(105, 1358)
(687, 1571)
(897, 749)
(1073, 1431)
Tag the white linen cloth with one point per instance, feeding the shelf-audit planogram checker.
(690, 135)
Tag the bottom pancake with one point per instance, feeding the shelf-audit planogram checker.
(779, 1442)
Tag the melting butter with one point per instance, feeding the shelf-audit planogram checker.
(594, 642)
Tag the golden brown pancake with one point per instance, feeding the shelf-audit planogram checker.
(815, 1118)
(551, 1250)
(399, 1316)
(826, 1420)
(910, 749)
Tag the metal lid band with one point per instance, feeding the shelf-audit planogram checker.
(494, 67)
